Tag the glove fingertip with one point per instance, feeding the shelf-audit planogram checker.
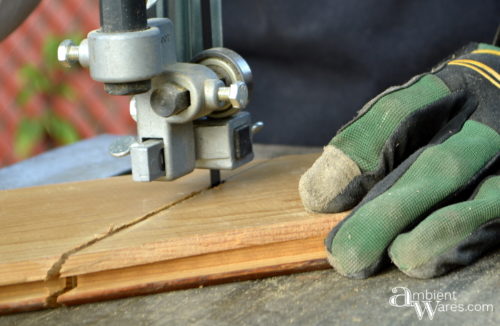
(326, 179)
(344, 271)
(350, 260)
(405, 254)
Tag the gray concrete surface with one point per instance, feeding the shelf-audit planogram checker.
(84, 160)
(313, 298)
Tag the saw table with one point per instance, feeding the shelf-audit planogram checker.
(311, 298)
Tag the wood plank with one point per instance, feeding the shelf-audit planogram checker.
(41, 224)
(258, 206)
(111, 238)
(239, 264)
(28, 296)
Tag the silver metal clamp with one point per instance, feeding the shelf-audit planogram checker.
(187, 113)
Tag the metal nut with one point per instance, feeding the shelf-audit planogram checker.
(236, 94)
(67, 53)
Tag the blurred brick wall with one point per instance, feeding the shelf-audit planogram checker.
(92, 112)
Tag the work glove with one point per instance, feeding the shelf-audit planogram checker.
(420, 166)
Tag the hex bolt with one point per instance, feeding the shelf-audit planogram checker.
(170, 99)
(68, 53)
(236, 94)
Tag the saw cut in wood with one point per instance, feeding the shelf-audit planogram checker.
(111, 238)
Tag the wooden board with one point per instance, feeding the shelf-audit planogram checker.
(215, 268)
(29, 296)
(41, 224)
(259, 205)
(239, 264)
(115, 237)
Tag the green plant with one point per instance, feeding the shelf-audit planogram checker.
(47, 82)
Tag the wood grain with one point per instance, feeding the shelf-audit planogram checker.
(28, 296)
(239, 264)
(102, 239)
(260, 205)
(40, 224)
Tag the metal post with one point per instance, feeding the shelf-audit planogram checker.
(216, 22)
(122, 15)
(192, 19)
(118, 16)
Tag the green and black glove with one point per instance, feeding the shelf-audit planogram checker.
(420, 166)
